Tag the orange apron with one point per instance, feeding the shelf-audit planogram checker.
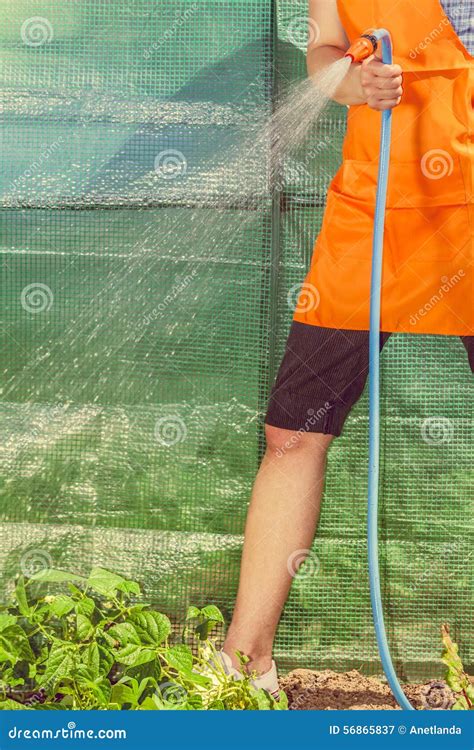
(429, 241)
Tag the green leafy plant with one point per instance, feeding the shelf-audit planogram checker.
(456, 677)
(67, 642)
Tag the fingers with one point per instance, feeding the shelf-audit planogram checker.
(386, 97)
(389, 92)
(387, 83)
(385, 91)
(378, 68)
(381, 77)
(382, 84)
(382, 104)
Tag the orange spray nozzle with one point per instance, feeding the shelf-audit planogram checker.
(363, 47)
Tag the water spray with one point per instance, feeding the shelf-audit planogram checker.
(360, 50)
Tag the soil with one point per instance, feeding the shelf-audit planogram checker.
(352, 691)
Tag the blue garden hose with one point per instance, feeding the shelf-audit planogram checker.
(374, 390)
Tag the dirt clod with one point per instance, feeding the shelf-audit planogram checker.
(352, 691)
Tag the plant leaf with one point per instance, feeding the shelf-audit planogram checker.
(74, 590)
(151, 670)
(49, 706)
(106, 660)
(123, 694)
(11, 705)
(102, 690)
(61, 605)
(124, 632)
(52, 575)
(469, 690)
(104, 582)
(84, 627)
(129, 587)
(21, 597)
(149, 704)
(196, 702)
(6, 620)
(192, 613)
(282, 704)
(60, 663)
(14, 645)
(91, 659)
(212, 613)
(153, 628)
(133, 655)
(186, 675)
(180, 657)
(85, 606)
(216, 706)
(264, 701)
(453, 681)
(460, 705)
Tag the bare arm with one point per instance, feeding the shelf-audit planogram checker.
(328, 43)
(372, 82)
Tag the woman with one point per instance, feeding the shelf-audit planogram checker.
(427, 276)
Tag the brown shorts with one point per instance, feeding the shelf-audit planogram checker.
(322, 376)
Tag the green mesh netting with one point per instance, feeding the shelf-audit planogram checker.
(145, 310)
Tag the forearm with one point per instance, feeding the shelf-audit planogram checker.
(350, 91)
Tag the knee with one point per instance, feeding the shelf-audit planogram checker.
(281, 442)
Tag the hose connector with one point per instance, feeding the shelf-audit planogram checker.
(363, 47)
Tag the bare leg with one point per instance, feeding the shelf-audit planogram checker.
(282, 519)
